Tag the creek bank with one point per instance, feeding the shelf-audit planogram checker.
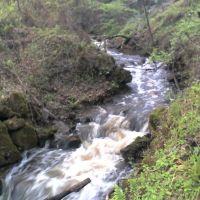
(25, 126)
(172, 155)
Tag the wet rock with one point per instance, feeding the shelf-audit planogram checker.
(73, 130)
(71, 116)
(66, 142)
(18, 103)
(133, 151)
(122, 76)
(6, 112)
(61, 127)
(170, 78)
(73, 141)
(1, 187)
(45, 134)
(25, 138)
(14, 124)
(8, 151)
(83, 120)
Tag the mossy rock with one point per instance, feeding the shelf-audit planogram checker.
(8, 151)
(18, 103)
(14, 124)
(45, 134)
(6, 112)
(134, 151)
(25, 138)
(121, 76)
(155, 118)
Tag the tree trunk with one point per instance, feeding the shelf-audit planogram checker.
(18, 6)
(148, 23)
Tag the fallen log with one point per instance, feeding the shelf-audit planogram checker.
(75, 188)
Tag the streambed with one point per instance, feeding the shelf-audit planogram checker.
(46, 172)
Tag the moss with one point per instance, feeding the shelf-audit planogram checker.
(8, 151)
(6, 112)
(45, 134)
(155, 117)
(18, 103)
(14, 124)
(133, 152)
(25, 138)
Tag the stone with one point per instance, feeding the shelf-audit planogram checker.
(14, 124)
(133, 151)
(25, 138)
(170, 78)
(122, 76)
(66, 142)
(1, 187)
(6, 113)
(73, 141)
(45, 134)
(83, 120)
(8, 151)
(18, 103)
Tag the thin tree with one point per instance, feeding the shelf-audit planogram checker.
(18, 6)
(147, 20)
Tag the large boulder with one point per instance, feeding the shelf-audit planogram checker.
(18, 103)
(121, 76)
(14, 124)
(134, 151)
(8, 151)
(25, 138)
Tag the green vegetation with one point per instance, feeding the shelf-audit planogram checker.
(9, 18)
(47, 54)
(171, 166)
(102, 17)
(175, 28)
(114, 15)
(184, 32)
(118, 194)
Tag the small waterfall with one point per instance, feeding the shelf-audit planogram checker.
(46, 172)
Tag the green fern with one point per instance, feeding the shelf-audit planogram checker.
(118, 194)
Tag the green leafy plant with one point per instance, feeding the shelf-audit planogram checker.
(173, 170)
(160, 56)
(118, 194)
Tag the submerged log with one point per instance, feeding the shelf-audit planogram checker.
(74, 188)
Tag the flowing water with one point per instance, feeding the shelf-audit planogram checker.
(46, 172)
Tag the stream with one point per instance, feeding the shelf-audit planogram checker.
(45, 172)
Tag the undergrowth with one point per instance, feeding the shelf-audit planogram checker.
(171, 167)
